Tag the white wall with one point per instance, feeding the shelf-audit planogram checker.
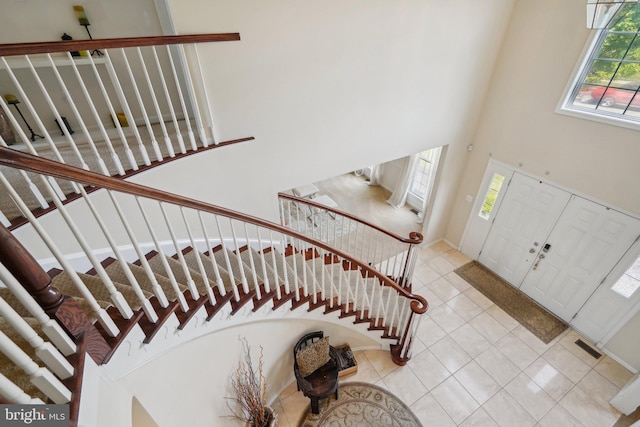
(327, 87)
(519, 126)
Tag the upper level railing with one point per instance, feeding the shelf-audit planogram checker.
(392, 255)
(110, 106)
(176, 255)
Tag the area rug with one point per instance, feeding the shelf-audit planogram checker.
(363, 405)
(526, 311)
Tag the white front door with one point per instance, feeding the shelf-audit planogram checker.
(614, 302)
(585, 244)
(527, 214)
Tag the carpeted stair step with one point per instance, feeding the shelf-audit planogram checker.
(178, 272)
(190, 258)
(117, 274)
(97, 289)
(219, 256)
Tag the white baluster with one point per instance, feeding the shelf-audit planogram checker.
(101, 314)
(15, 394)
(44, 350)
(252, 264)
(157, 290)
(287, 286)
(154, 99)
(274, 263)
(205, 96)
(116, 296)
(50, 327)
(196, 107)
(126, 109)
(40, 377)
(183, 263)
(243, 277)
(112, 111)
(170, 105)
(263, 262)
(4, 220)
(96, 116)
(146, 305)
(55, 111)
(145, 116)
(225, 254)
(216, 269)
(185, 112)
(201, 268)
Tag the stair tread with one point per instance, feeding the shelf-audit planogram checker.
(190, 258)
(178, 272)
(97, 288)
(116, 272)
(233, 266)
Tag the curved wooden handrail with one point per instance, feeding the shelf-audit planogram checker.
(414, 237)
(39, 165)
(77, 45)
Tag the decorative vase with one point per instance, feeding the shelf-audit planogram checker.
(6, 132)
(271, 419)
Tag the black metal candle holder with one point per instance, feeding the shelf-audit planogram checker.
(84, 21)
(12, 100)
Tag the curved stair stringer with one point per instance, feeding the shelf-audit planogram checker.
(134, 353)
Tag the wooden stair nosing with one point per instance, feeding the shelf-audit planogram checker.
(194, 305)
(266, 296)
(243, 299)
(104, 263)
(149, 328)
(284, 297)
(124, 325)
(221, 300)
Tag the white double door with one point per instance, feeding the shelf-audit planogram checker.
(555, 246)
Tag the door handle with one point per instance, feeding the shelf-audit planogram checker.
(540, 258)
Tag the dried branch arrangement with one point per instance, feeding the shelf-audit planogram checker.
(250, 387)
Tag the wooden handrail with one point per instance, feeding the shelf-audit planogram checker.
(77, 45)
(39, 165)
(414, 237)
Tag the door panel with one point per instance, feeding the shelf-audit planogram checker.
(585, 244)
(528, 211)
(608, 307)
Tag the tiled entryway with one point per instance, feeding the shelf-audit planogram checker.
(474, 365)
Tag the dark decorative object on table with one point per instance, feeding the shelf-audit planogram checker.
(84, 21)
(66, 124)
(66, 36)
(315, 366)
(12, 100)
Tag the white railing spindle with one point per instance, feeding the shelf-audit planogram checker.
(185, 112)
(40, 377)
(13, 393)
(169, 104)
(125, 106)
(44, 350)
(154, 101)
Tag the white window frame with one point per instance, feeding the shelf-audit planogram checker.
(564, 105)
(414, 200)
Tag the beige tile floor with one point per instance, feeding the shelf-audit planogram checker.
(474, 365)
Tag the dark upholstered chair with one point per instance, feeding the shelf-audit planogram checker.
(323, 381)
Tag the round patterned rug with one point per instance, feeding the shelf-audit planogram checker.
(362, 405)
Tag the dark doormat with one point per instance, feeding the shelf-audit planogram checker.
(532, 316)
